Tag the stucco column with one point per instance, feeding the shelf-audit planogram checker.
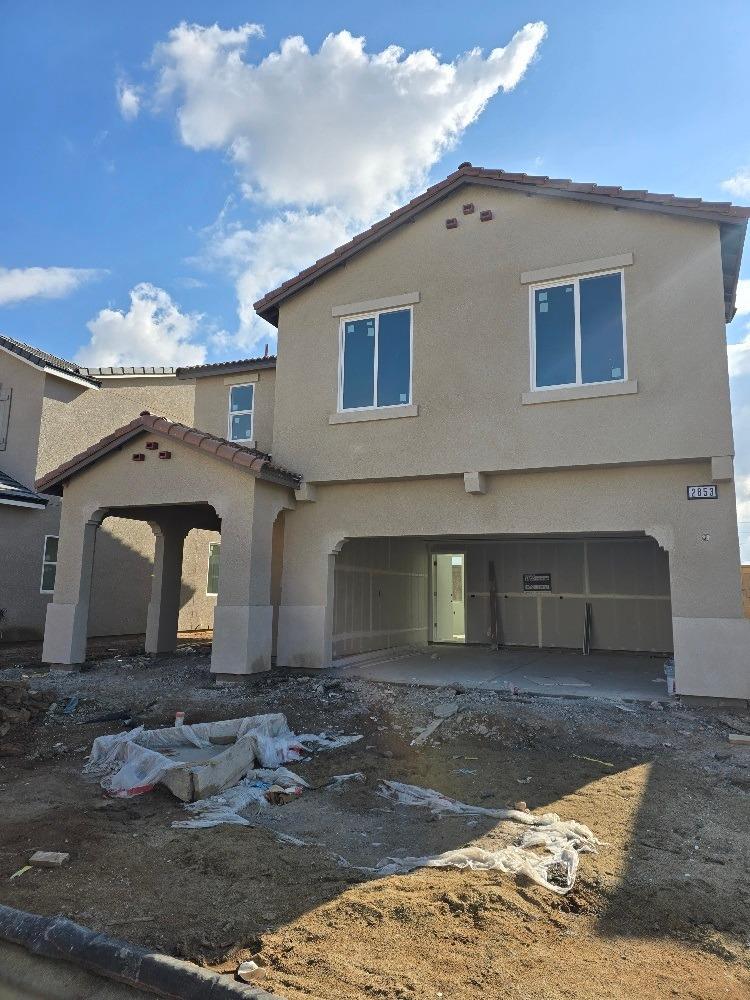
(166, 582)
(305, 635)
(66, 624)
(243, 617)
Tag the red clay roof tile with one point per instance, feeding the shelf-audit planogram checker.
(257, 461)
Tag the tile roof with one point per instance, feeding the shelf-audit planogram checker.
(12, 492)
(129, 370)
(227, 367)
(731, 218)
(257, 462)
(45, 361)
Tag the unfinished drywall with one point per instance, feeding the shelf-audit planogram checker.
(626, 581)
(381, 595)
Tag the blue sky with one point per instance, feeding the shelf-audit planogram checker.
(156, 180)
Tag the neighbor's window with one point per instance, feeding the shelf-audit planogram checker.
(49, 564)
(375, 366)
(212, 579)
(241, 412)
(578, 331)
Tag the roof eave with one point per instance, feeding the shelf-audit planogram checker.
(268, 306)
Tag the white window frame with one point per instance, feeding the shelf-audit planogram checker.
(47, 562)
(374, 314)
(240, 413)
(575, 281)
(212, 593)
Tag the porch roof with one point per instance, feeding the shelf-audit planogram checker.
(256, 462)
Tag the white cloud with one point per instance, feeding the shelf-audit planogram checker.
(152, 332)
(743, 297)
(20, 283)
(338, 126)
(326, 140)
(261, 258)
(128, 99)
(739, 356)
(738, 184)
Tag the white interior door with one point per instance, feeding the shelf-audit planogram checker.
(449, 623)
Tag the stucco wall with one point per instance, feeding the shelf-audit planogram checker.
(471, 346)
(18, 458)
(22, 534)
(73, 420)
(212, 404)
(381, 595)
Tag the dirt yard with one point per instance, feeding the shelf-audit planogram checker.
(662, 910)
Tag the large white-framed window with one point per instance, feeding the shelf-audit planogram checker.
(212, 574)
(578, 332)
(375, 360)
(241, 404)
(49, 565)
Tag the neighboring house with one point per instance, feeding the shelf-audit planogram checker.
(507, 411)
(50, 409)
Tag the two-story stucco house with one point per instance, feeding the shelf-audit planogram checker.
(505, 409)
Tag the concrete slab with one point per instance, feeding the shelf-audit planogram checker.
(630, 676)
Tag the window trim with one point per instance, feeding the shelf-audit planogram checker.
(374, 314)
(212, 593)
(236, 413)
(47, 562)
(575, 280)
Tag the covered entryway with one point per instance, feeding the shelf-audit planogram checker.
(175, 479)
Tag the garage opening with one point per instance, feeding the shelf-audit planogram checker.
(604, 593)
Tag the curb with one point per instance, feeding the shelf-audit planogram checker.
(153, 972)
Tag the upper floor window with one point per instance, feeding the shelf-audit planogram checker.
(49, 564)
(578, 331)
(375, 360)
(241, 399)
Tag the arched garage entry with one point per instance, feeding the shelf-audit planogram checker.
(605, 592)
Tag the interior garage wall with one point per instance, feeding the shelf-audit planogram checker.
(625, 580)
(121, 582)
(380, 595)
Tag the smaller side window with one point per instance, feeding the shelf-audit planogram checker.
(49, 564)
(241, 398)
(212, 578)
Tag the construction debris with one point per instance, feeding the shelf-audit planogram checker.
(739, 740)
(547, 851)
(49, 859)
(20, 703)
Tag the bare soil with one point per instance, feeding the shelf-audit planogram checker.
(661, 911)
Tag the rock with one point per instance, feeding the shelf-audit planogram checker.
(656, 706)
(521, 806)
(49, 859)
(445, 709)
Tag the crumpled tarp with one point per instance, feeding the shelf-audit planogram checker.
(131, 763)
(547, 851)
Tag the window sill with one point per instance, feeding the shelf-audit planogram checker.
(381, 413)
(580, 392)
(243, 444)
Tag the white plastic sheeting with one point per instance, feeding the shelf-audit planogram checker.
(547, 851)
(131, 763)
(227, 806)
